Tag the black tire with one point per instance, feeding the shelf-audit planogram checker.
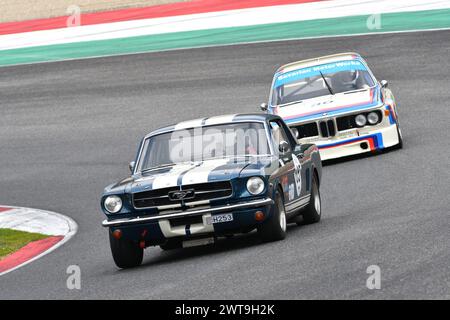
(313, 211)
(274, 228)
(400, 139)
(126, 254)
(170, 245)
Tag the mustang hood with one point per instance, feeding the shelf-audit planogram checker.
(330, 104)
(184, 174)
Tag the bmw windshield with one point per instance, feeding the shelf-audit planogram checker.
(231, 140)
(331, 78)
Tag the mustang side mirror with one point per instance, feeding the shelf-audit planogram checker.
(264, 106)
(131, 166)
(384, 83)
(284, 147)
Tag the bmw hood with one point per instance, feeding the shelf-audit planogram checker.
(329, 105)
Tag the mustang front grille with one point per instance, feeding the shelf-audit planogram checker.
(187, 193)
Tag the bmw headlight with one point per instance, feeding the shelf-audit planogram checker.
(373, 118)
(360, 120)
(113, 204)
(255, 185)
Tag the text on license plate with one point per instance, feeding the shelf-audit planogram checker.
(220, 218)
(346, 135)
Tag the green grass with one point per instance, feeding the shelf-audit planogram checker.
(13, 240)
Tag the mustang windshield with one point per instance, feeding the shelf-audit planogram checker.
(243, 139)
(316, 81)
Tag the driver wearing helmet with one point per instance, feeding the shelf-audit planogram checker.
(345, 81)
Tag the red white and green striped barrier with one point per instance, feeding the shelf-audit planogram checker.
(58, 228)
(204, 23)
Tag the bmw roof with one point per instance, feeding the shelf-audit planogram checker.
(262, 117)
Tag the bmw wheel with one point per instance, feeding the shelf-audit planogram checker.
(400, 137)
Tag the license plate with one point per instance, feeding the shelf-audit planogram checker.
(346, 135)
(197, 242)
(227, 217)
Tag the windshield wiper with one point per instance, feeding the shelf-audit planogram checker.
(158, 167)
(166, 165)
(253, 155)
(240, 156)
(326, 83)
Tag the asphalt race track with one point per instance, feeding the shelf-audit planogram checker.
(68, 129)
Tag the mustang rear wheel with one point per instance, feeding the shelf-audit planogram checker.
(274, 228)
(313, 211)
(126, 254)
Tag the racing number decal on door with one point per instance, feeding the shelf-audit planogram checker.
(297, 174)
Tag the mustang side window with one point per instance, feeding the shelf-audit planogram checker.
(278, 134)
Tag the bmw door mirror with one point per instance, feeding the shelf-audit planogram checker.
(384, 83)
(131, 166)
(284, 147)
(264, 106)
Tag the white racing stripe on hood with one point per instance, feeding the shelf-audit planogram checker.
(201, 173)
(170, 179)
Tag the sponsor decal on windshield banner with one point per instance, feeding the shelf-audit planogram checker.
(315, 71)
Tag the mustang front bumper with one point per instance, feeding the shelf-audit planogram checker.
(357, 141)
(158, 228)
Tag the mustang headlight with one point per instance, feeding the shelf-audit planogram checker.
(113, 204)
(360, 120)
(255, 185)
(373, 118)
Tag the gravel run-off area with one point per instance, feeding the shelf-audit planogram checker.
(20, 10)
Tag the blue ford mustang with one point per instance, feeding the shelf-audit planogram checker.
(203, 179)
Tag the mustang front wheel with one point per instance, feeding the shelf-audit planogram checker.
(126, 254)
(275, 227)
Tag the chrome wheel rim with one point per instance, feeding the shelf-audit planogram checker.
(317, 202)
(282, 219)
